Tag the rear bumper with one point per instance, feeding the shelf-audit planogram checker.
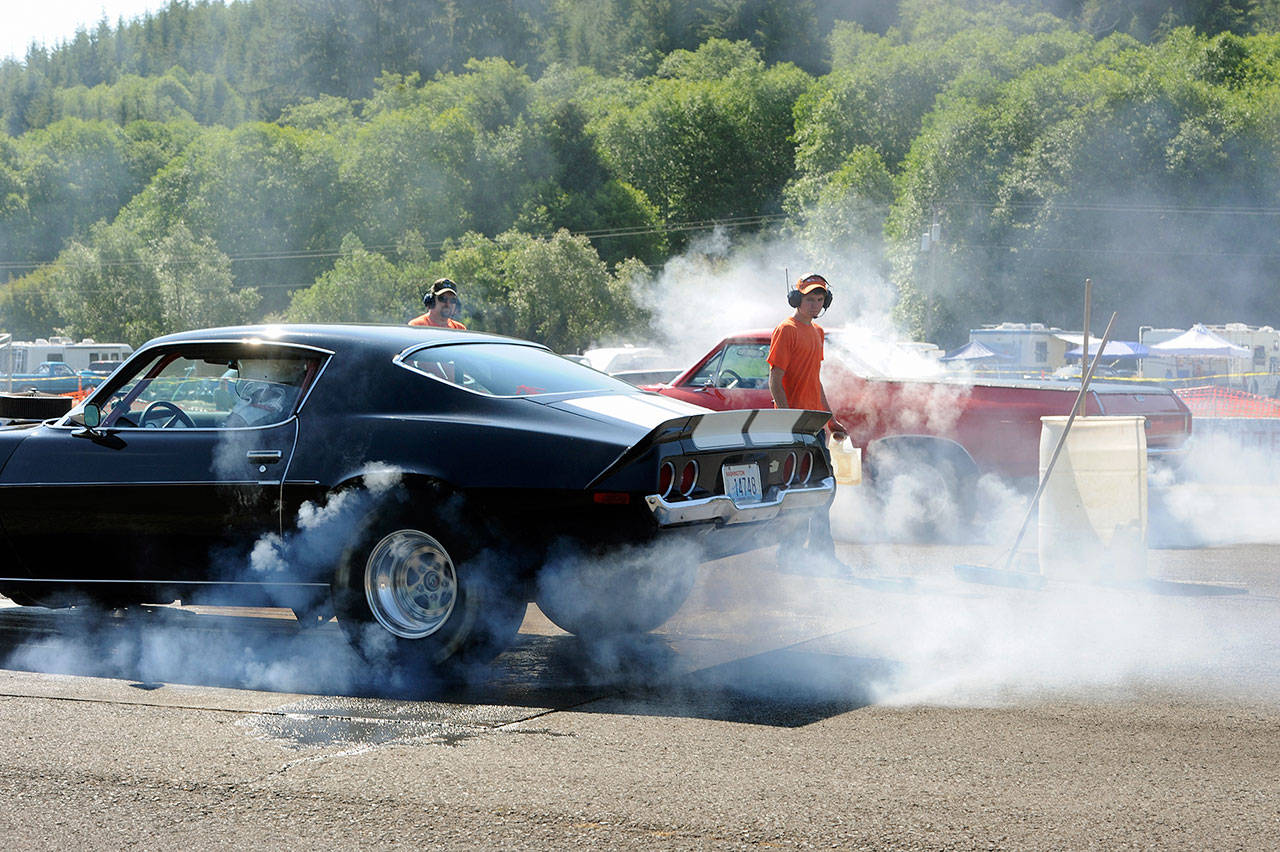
(723, 511)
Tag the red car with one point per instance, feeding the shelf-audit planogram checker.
(951, 428)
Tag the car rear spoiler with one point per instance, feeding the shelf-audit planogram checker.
(716, 430)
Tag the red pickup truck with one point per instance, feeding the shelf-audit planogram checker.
(950, 430)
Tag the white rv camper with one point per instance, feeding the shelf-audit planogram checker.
(23, 356)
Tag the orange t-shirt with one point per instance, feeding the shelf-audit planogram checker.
(797, 350)
(423, 320)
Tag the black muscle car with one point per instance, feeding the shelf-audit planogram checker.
(420, 484)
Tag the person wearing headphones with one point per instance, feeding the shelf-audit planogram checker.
(795, 364)
(442, 306)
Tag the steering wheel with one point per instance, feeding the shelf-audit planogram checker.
(729, 379)
(178, 415)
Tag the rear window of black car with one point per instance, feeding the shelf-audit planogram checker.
(505, 369)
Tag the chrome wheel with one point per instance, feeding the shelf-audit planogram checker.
(410, 584)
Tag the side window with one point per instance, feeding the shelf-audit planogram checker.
(745, 365)
(443, 364)
(209, 388)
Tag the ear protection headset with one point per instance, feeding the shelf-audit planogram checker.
(429, 299)
(794, 296)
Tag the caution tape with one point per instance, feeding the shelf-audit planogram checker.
(1186, 381)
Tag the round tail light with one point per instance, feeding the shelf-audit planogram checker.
(666, 477)
(806, 467)
(688, 477)
(789, 469)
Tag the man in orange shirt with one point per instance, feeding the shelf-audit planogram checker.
(442, 306)
(795, 364)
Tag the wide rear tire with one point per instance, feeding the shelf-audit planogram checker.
(411, 594)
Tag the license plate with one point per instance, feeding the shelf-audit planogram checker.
(742, 482)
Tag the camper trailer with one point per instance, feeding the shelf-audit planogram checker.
(1026, 348)
(19, 356)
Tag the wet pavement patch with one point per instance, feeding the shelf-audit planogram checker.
(304, 731)
(362, 722)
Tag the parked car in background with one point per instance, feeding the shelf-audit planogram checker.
(635, 365)
(51, 377)
(616, 358)
(103, 368)
(943, 431)
(656, 376)
(421, 484)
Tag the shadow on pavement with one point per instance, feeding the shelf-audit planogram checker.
(788, 688)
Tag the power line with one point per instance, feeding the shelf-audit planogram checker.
(709, 224)
(309, 254)
(1117, 251)
(1104, 207)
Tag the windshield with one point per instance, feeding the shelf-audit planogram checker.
(506, 369)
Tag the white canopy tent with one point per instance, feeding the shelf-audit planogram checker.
(1198, 341)
(974, 351)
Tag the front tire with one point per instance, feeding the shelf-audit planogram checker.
(408, 596)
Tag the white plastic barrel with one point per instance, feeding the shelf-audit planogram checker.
(1093, 512)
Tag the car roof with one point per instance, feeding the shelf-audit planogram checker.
(339, 337)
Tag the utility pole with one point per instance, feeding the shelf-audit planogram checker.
(6, 344)
(1084, 351)
(929, 242)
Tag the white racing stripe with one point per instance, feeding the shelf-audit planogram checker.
(774, 427)
(711, 431)
(720, 429)
(647, 410)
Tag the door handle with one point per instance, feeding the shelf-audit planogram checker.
(264, 456)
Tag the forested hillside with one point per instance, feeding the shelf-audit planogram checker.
(325, 159)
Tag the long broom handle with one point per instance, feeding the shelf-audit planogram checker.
(1062, 440)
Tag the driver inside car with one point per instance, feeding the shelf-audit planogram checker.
(263, 403)
(266, 391)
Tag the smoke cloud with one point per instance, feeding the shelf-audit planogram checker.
(1226, 491)
(321, 531)
(724, 284)
(923, 635)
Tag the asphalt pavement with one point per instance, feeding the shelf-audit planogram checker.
(895, 707)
